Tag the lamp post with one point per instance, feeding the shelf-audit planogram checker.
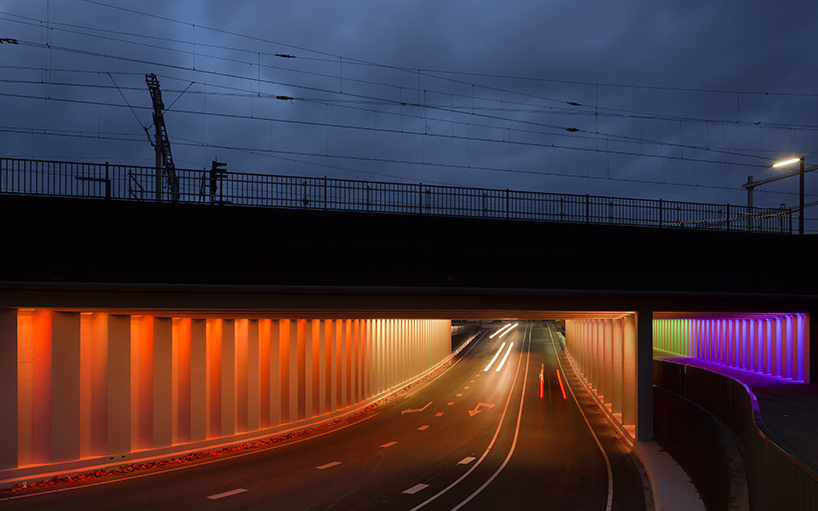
(800, 189)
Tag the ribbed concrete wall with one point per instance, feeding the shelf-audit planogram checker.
(773, 344)
(604, 351)
(107, 385)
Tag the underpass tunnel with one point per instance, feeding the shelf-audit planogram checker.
(110, 386)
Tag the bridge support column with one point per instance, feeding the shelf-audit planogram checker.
(617, 346)
(644, 375)
(8, 387)
(198, 380)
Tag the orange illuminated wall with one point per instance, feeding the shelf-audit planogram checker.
(102, 387)
(603, 350)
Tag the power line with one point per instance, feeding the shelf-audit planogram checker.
(441, 136)
(607, 111)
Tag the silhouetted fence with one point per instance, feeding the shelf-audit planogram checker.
(122, 182)
(777, 480)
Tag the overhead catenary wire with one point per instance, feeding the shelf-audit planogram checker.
(442, 136)
(339, 58)
(525, 107)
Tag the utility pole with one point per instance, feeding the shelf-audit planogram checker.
(164, 159)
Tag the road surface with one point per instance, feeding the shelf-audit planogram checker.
(477, 436)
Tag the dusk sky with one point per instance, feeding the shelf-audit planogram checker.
(678, 100)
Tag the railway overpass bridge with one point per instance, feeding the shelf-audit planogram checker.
(143, 328)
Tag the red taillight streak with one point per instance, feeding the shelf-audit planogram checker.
(559, 378)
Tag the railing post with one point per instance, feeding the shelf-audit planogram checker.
(107, 183)
(507, 204)
(325, 193)
(790, 215)
(728, 217)
(661, 209)
(420, 198)
(587, 209)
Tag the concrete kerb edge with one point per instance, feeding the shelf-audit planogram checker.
(76, 467)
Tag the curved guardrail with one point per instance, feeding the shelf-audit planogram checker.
(778, 481)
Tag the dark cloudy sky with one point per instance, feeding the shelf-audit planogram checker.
(677, 99)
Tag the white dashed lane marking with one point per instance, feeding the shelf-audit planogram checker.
(227, 494)
(416, 488)
(328, 465)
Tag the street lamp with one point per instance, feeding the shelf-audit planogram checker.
(800, 188)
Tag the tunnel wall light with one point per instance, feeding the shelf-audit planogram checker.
(773, 345)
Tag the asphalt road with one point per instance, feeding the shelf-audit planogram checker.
(471, 438)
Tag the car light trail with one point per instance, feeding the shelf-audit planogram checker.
(561, 387)
(505, 357)
(495, 357)
(509, 330)
(542, 380)
(498, 331)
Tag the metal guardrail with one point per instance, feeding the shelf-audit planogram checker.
(123, 182)
(778, 481)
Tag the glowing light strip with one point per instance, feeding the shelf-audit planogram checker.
(505, 357)
(509, 330)
(498, 331)
(495, 357)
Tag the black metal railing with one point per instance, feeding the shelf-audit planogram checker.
(123, 182)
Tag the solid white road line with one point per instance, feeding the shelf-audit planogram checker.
(516, 430)
(609, 504)
(488, 449)
(226, 494)
(328, 465)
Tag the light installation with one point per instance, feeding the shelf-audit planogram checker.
(770, 344)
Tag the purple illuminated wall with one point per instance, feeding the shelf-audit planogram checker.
(772, 344)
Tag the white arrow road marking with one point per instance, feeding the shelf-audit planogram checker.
(328, 465)
(416, 488)
(415, 410)
(477, 408)
(227, 494)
